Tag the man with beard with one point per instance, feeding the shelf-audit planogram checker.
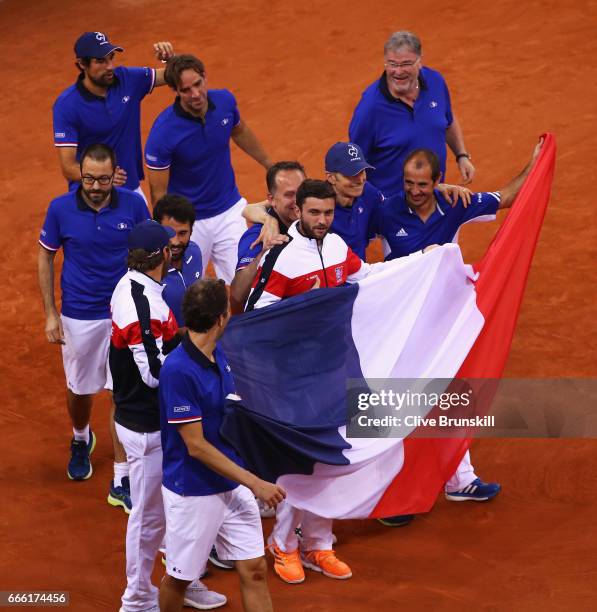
(282, 180)
(143, 332)
(313, 257)
(104, 105)
(186, 266)
(407, 108)
(92, 225)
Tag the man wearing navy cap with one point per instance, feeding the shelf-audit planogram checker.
(188, 153)
(104, 105)
(407, 108)
(143, 332)
(92, 224)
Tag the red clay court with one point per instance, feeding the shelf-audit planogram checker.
(298, 68)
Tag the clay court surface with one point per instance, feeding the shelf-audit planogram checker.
(515, 70)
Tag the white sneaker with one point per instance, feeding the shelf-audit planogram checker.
(200, 597)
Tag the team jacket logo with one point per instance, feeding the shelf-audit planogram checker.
(432, 104)
(361, 209)
(125, 99)
(338, 272)
(225, 121)
(401, 232)
(122, 226)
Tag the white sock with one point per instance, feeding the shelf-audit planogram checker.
(82, 434)
(120, 471)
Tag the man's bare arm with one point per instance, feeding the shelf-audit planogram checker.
(455, 140)
(241, 285)
(45, 276)
(163, 51)
(510, 191)
(68, 163)
(256, 212)
(202, 450)
(245, 139)
(158, 183)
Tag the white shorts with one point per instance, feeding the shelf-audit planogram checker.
(85, 354)
(218, 239)
(193, 524)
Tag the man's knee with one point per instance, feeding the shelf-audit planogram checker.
(252, 571)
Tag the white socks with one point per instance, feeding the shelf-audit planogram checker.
(120, 471)
(82, 434)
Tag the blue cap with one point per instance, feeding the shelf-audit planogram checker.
(94, 44)
(150, 236)
(346, 158)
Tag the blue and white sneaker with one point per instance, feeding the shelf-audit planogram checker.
(121, 496)
(221, 563)
(477, 491)
(79, 466)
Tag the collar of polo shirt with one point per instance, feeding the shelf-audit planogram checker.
(196, 355)
(181, 112)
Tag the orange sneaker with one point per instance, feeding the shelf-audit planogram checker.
(326, 561)
(287, 565)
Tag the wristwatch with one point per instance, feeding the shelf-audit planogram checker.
(467, 155)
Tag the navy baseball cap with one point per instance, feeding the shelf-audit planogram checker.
(346, 158)
(150, 236)
(94, 44)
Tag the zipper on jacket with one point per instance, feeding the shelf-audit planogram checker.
(319, 249)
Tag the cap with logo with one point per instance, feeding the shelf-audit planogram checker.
(94, 44)
(150, 236)
(346, 158)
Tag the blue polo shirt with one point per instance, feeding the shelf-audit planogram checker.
(197, 152)
(192, 388)
(354, 223)
(388, 130)
(82, 118)
(246, 254)
(95, 248)
(176, 281)
(405, 233)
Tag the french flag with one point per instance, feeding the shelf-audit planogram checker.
(425, 318)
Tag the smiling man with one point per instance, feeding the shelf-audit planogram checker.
(188, 153)
(407, 108)
(104, 105)
(186, 265)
